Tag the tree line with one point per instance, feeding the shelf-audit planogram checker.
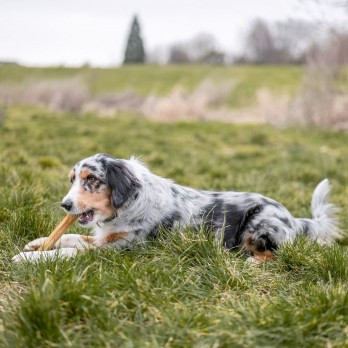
(283, 42)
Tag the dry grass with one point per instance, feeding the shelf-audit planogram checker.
(318, 103)
(110, 104)
(198, 105)
(57, 95)
(73, 95)
(206, 102)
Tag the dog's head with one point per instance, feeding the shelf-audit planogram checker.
(101, 184)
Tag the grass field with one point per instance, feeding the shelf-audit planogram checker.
(145, 80)
(181, 291)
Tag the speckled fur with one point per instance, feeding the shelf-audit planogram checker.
(131, 204)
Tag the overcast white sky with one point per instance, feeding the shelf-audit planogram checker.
(73, 32)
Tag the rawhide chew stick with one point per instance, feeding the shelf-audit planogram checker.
(51, 240)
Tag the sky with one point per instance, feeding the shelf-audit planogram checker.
(75, 32)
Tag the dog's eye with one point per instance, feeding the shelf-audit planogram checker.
(91, 179)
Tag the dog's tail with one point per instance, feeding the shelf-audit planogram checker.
(323, 227)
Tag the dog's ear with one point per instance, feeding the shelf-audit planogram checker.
(122, 182)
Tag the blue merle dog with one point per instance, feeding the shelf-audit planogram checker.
(124, 204)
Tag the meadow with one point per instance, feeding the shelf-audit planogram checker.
(182, 289)
(145, 80)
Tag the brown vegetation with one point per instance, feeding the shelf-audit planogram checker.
(321, 101)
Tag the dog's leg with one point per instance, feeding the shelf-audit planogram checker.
(115, 239)
(66, 241)
(258, 249)
(82, 242)
(260, 257)
(71, 244)
(33, 256)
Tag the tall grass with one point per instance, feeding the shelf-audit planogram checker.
(182, 289)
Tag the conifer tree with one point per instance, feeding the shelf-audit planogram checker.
(135, 53)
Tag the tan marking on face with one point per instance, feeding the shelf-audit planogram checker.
(98, 200)
(261, 256)
(84, 173)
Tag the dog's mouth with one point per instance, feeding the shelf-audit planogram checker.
(86, 217)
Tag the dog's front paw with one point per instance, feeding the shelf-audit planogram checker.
(26, 256)
(34, 244)
(34, 256)
(253, 260)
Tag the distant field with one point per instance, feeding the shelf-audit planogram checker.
(146, 80)
(182, 291)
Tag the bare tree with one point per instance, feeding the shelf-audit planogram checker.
(202, 48)
(292, 39)
(323, 100)
(178, 54)
(260, 46)
(283, 42)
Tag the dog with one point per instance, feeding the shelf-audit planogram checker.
(126, 204)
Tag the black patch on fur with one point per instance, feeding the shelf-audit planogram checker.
(98, 184)
(305, 226)
(89, 166)
(285, 221)
(263, 243)
(250, 213)
(103, 159)
(136, 221)
(122, 182)
(213, 212)
(167, 223)
(174, 190)
(236, 221)
(90, 186)
(153, 233)
(137, 232)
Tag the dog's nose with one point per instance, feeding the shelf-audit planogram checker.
(67, 205)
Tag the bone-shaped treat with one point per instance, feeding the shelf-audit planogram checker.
(64, 225)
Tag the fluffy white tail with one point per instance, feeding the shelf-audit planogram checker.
(323, 227)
